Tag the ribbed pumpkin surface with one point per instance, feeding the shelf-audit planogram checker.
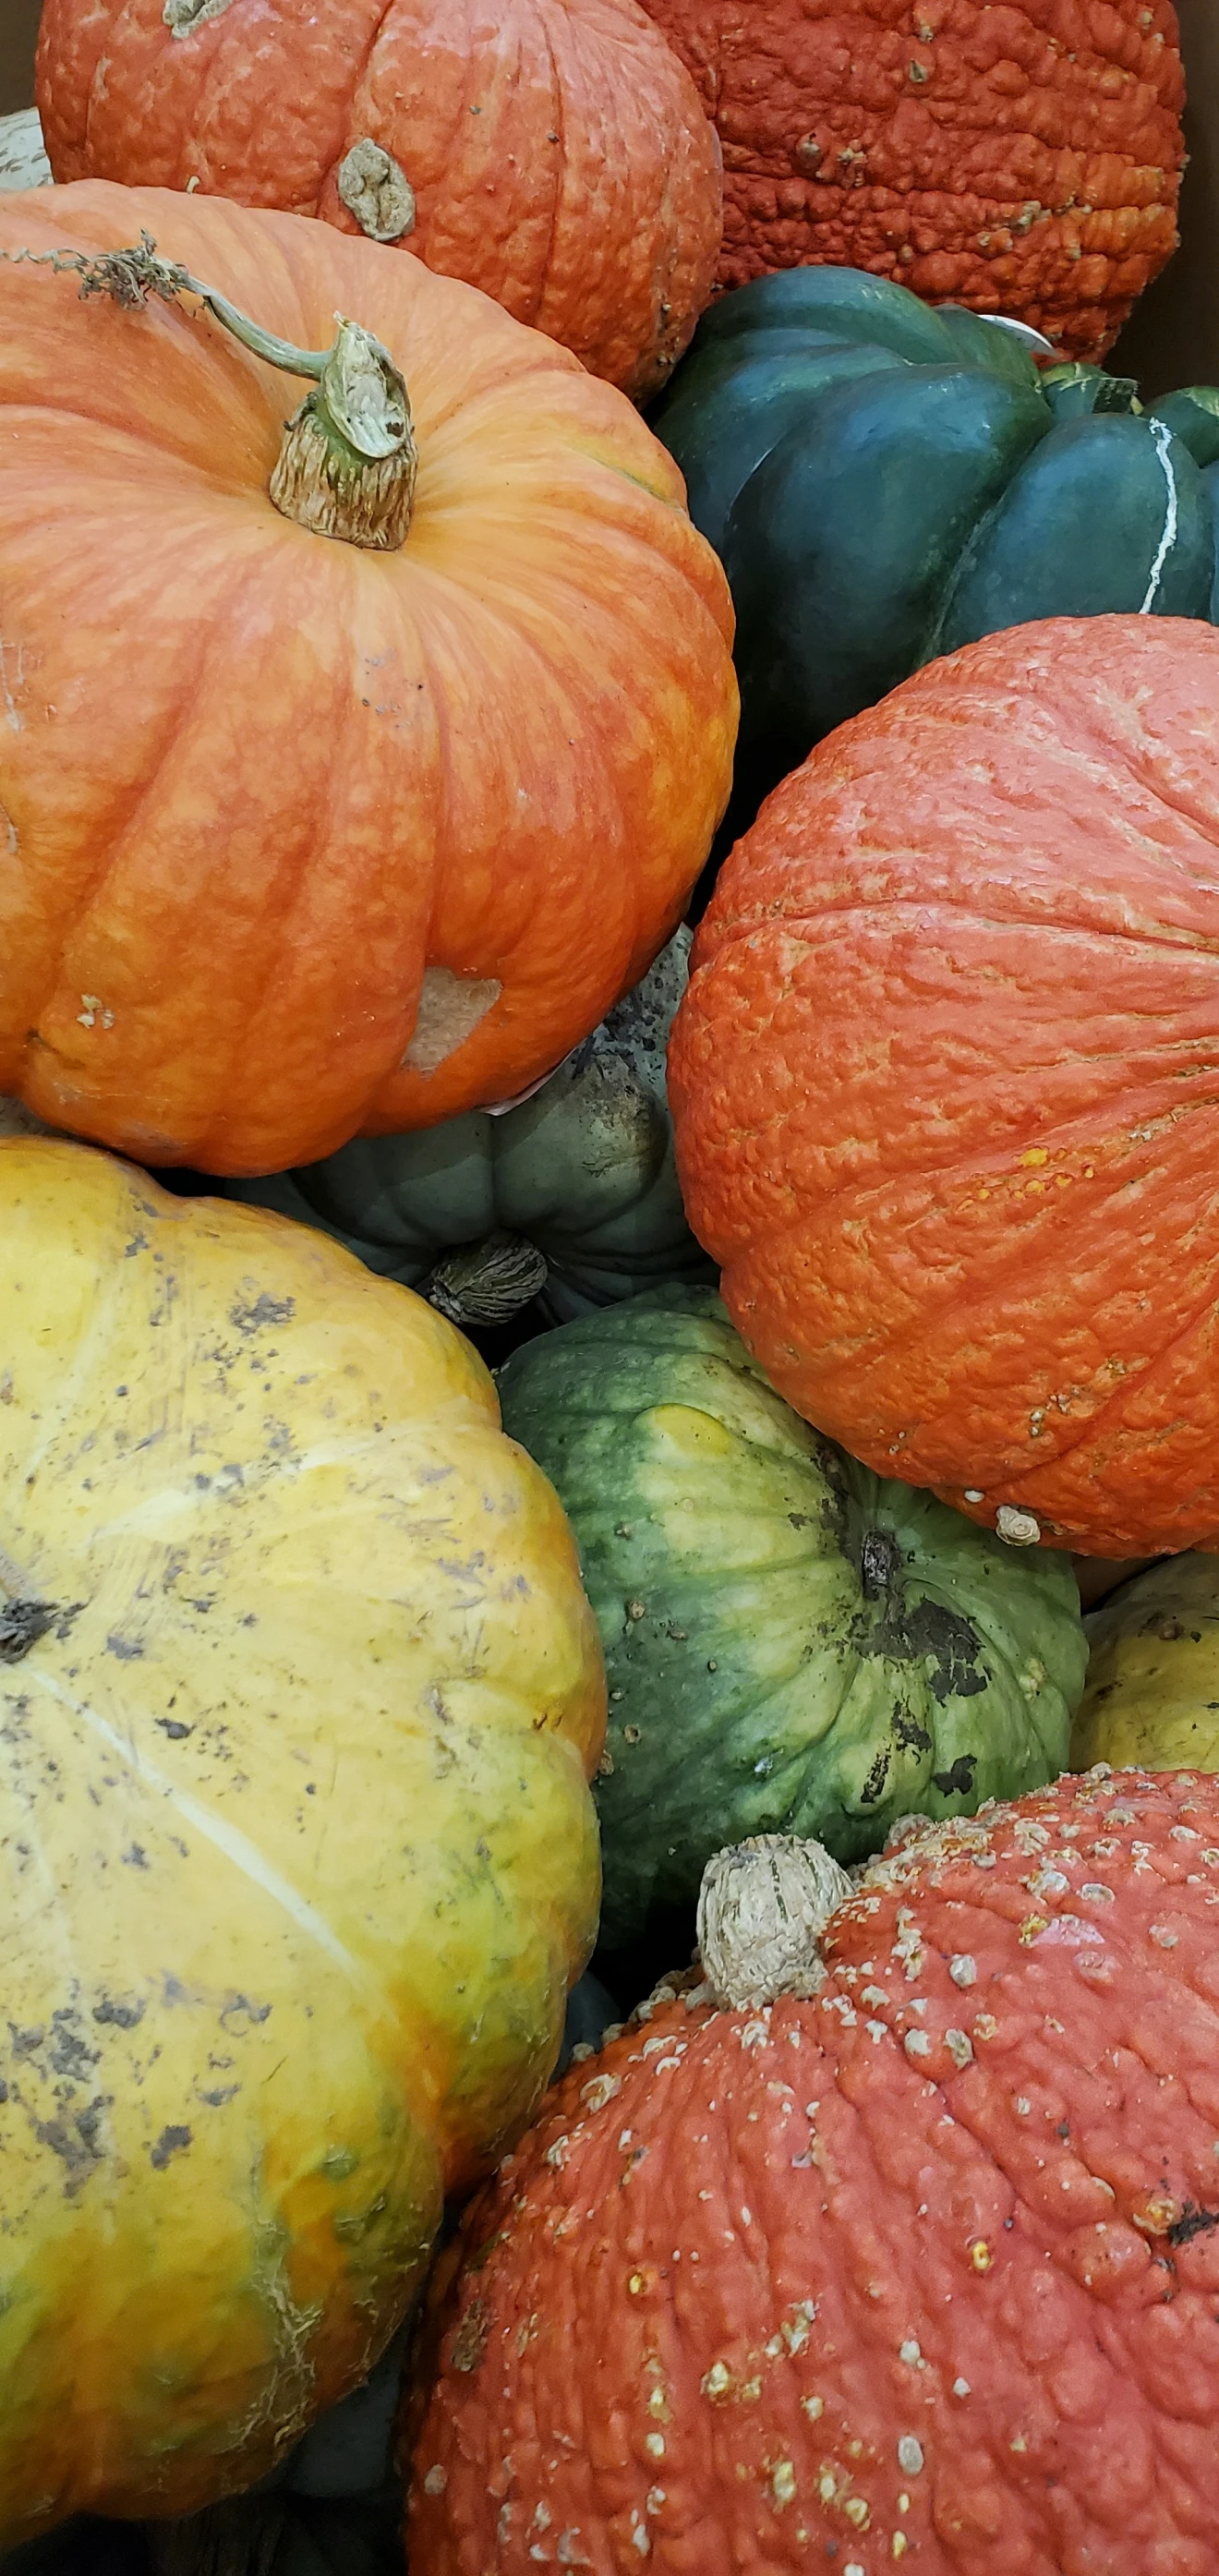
(1024, 159)
(556, 150)
(792, 1644)
(296, 840)
(924, 2271)
(297, 1693)
(946, 1082)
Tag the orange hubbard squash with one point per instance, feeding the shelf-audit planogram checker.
(946, 1090)
(904, 2255)
(1023, 159)
(553, 152)
(299, 838)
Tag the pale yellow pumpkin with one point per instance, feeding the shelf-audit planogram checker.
(298, 1696)
(1152, 1693)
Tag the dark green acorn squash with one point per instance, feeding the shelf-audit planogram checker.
(571, 1196)
(885, 481)
(794, 1644)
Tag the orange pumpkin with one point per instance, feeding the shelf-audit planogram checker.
(946, 1087)
(1024, 159)
(299, 839)
(553, 152)
(895, 2260)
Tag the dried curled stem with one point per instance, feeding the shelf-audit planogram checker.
(129, 277)
(348, 463)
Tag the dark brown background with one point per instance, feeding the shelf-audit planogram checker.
(1174, 336)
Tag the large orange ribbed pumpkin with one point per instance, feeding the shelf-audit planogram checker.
(553, 152)
(299, 838)
(1022, 158)
(946, 1084)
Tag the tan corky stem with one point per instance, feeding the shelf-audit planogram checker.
(375, 189)
(762, 1908)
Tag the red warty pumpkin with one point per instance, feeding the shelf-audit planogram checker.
(553, 152)
(299, 838)
(1023, 159)
(923, 2269)
(946, 1084)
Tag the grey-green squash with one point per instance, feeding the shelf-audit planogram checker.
(570, 1196)
(794, 1644)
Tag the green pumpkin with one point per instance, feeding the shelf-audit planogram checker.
(794, 1645)
(885, 481)
(571, 1196)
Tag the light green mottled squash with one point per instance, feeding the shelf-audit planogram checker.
(794, 1645)
(571, 1195)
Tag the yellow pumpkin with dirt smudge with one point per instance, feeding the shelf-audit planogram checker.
(298, 1698)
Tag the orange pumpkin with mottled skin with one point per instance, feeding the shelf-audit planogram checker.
(1023, 158)
(923, 2271)
(945, 1084)
(556, 150)
(299, 840)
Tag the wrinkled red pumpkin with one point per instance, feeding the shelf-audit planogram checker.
(923, 2270)
(1023, 159)
(553, 152)
(299, 839)
(946, 1084)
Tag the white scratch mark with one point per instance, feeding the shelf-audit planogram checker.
(1162, 436)
(16, 721)
(226, 1838)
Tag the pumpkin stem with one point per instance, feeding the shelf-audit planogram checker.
(489, 1282)
(348, 462)
(762, 1908)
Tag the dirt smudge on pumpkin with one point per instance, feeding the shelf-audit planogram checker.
(1193, 2221)
(23, 1624)
(172, 2142)
(124, 2016)
(251, 1314)
(874, 1786)
(958, 1781)
(75, 2143)
(920, 1632)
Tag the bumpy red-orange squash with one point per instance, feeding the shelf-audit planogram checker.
(946, 1084)
(920, 2272)
(1023, 158)
(553, 152)
(299, 839)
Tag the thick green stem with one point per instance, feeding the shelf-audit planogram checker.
(348, 462)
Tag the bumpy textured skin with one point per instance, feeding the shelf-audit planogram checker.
(793, 1645)
(1152, 1692)
(922, 2272)
(557, 149)
(254, 780)
(584, 1170)
(944, 1088)
(1022, 158)
(298, 1692)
